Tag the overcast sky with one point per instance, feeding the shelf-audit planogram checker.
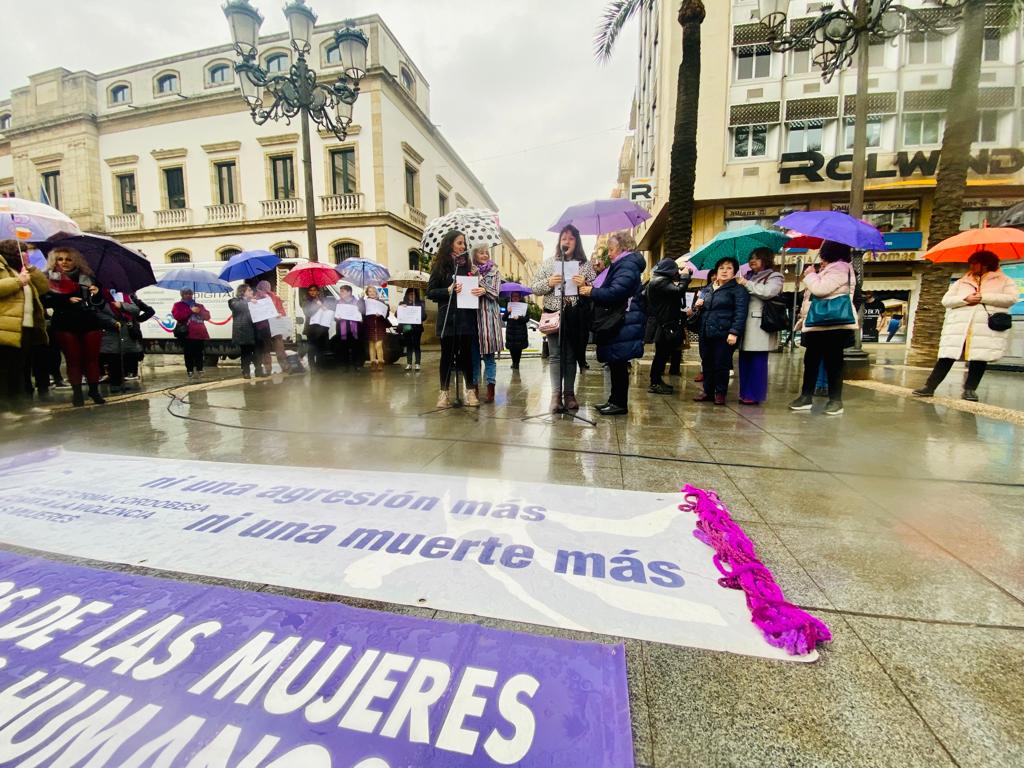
(514, 85)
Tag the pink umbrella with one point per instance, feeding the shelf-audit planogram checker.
(312, 273)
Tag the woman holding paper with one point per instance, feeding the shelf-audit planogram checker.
(488, 316)
(516, 335)
(243, 333)
(375, 323)
(349, 313)
(412, 333)
(193, 316)
(268, 340)
(316, 307)
(456, 314)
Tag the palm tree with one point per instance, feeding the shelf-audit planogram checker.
(951, 179)
(683, 171)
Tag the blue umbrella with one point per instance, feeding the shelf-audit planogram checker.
(248, 264)
(737, 243)
(37, 259)
(196, 280)
(363, 272)
(836, 226)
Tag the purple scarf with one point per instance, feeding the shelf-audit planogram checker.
(483, 269)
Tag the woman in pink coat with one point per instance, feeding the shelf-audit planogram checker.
(191, 318)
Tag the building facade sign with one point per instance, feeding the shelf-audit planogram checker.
(641, 190)
(880, 206)
(815, 167)
(764, 211)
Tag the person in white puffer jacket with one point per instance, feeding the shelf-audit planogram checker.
(985, 290)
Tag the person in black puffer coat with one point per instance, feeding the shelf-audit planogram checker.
(620, 295)
(517, 338)
(665, 294)
(456, 328)
(723, 317)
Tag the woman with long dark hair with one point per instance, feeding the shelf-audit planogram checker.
(412, 333)
(566, 342)
(456, 328)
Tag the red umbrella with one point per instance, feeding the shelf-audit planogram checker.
(805, 241)
(312, 273)
(1005, 242)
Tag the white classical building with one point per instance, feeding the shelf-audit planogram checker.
(165, 156)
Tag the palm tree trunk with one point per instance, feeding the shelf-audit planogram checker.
(951, 181)
(683, 171)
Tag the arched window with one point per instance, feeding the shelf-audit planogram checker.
(414, 259)
(407, 79)
(277, 62)
(225, 254)
(120, 94)
(179, 257)
(218, 74)
(167, 83)
(286, 251)
(5, 122)
(332, 55)
(345, 250)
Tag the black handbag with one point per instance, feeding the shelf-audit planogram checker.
(669, 333)
(181, 331)
(999, 321)
(774, 316)
(607, 321)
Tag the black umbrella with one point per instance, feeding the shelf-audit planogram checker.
(116, 266)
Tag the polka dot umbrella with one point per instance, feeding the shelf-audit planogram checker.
(479, 225)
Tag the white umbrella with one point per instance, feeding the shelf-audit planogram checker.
(479, 225)
(38, 219)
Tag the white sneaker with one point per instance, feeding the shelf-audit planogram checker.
(417, 366)
(408, 367)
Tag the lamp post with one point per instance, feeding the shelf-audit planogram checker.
(839, 33)
(297, 94)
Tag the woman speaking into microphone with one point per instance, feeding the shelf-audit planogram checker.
(456, 328)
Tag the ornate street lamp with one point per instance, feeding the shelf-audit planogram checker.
(297, 94)
(840, 32)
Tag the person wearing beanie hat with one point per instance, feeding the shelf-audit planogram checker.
(665, 293)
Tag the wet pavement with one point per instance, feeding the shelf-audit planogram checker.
(900, 523)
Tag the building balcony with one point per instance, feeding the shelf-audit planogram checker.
(173, 217)
(124, 222)
(225, 212)
(415, 215)
(346, 203)
(280, 209)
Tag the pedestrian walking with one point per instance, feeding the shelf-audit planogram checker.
(456, 328)
(22, 323)
(412, 333)
(564, 334)
(191, 317)
(517, 336)
(763, 283)
(350, 332)
(75, 299)
(375, 326)
(619, 318)
(974, 304)
(895, 322)
(317, 336)
(665, 293)
(828, 324)
(722, 319)
(243, 332)
(488, 317)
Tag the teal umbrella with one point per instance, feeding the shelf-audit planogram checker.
(737, 243)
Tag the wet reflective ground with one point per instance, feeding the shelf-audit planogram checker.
(901, 523)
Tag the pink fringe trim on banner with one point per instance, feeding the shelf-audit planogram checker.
(784, 625)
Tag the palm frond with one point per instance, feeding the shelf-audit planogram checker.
(614, 18)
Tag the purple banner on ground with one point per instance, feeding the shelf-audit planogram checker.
(111, 669)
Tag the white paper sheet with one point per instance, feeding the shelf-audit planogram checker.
(466, 300)
(324, 317)
(517, 309)
(281, 326)
(572, 268)
(262, 309)
(374, 307)
(410, 315)
(348, 312)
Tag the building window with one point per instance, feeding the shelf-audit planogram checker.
(174, 186)
(976, 218)
(218, 74)
(344, 251)
(803, 136)
(287, 251)
(414, 259)
(992, 47)
(753, 62)
(893, 221)
(922, 129)
(51, 186)
(179, 257)
(225, 182)
(411, 183)
(925, 49)
(442, 203)
(282, 176)
(5, 122)
(126, 193)
(278, 62)
(167, 84)
(874, 131)
(988, 126)
(343, 171)
(802, 61)
(408, 81)
(120, 94)
(333, 55)
(749, 141)
(225, 254)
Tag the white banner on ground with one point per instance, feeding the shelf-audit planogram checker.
(621, 563)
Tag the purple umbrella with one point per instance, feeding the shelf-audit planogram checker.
(514, 288)
(115, 266)
(600, 216)
(36, 259)
(837, 226)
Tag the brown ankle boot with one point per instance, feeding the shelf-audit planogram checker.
(556, 403)
(490, 394)
(571, 404)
